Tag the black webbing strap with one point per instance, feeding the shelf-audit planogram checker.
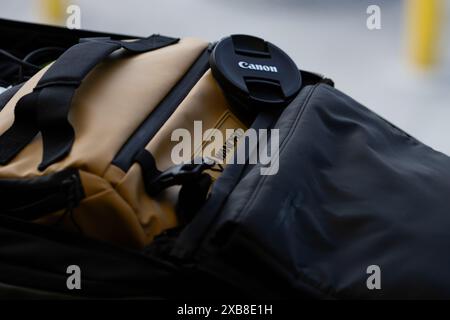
(23, 129)
(8, 94)
(46, 109)
(148, 166)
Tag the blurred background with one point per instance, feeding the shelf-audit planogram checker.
(401, 71)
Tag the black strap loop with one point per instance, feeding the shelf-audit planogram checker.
(48, 106)
(6, 96)
(74, 64)
(52, 120)
(148, 167)
(23, 130)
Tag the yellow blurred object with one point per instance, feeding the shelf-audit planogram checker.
(54, 10)
(425, 23)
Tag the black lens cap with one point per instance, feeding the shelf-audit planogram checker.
(254, 72)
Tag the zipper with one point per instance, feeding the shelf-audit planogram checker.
(74, 196)
(73, 192)
(148, 129)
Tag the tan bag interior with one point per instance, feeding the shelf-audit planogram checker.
(109, 106)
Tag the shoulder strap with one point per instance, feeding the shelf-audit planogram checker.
(46, 109)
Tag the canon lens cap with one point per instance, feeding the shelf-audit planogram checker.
(254, 72)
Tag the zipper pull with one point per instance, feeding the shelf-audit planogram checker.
(73, 197)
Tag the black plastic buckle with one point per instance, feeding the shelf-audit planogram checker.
(179, 175)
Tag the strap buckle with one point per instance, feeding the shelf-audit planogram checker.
(180, 175)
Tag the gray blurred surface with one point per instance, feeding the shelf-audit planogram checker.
(326, 36)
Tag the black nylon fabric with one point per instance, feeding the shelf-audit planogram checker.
(34, 261)
(37, 257)
(352, 191)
